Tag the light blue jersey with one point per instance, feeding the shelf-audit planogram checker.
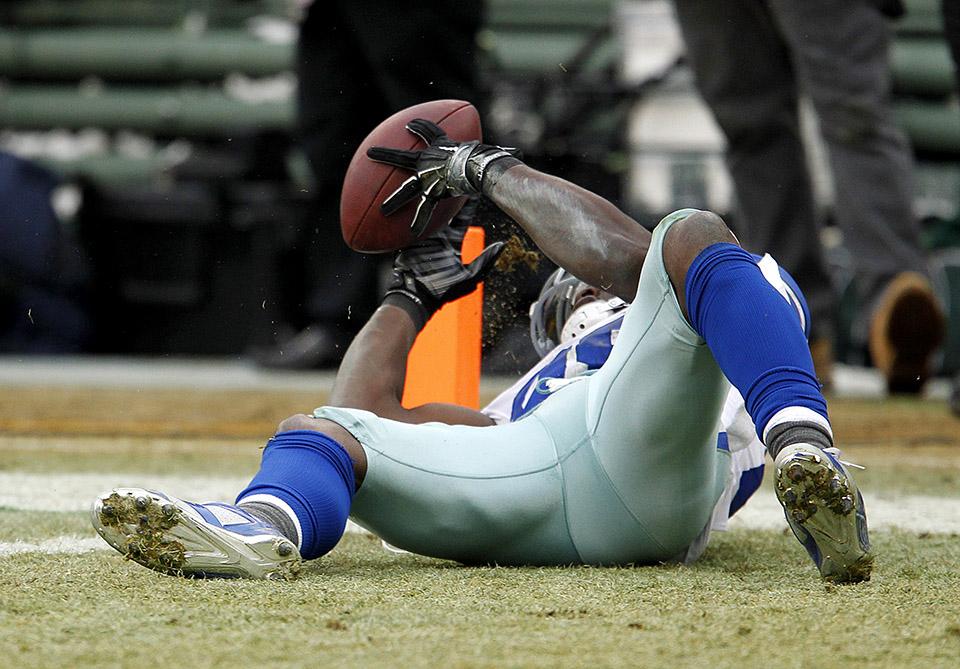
(580, 357)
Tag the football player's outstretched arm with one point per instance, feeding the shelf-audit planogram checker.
(426, 275)
(580, 231)
(373, 372)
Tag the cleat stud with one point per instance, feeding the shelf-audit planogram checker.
(835, 484)
(789, 496)
(846, 505)
(142, 503)
(144, 521)
(284, 549)
(169, 510)
(798, 515)
(107, 510)
(795, 472)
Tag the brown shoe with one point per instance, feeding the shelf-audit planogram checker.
(907, 327)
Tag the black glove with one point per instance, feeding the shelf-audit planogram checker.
(443, 169)
(429, 273)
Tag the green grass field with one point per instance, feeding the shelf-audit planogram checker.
(753, 600)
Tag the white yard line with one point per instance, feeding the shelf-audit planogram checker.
(911, 513)
(75, 492)
(57, 545)
(143, 373)
(96, 371)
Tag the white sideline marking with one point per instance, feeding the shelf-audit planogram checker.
(57, 545)
(73, 544)
(75, 492)
(910, 513)
(97, 371)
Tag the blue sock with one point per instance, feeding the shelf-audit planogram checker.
(313, 475)
(753, 332)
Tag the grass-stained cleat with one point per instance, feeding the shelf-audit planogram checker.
(181, 538)
(825, 511)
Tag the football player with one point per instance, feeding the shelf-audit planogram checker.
(618, 466)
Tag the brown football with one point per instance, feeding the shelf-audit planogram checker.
(367, 184)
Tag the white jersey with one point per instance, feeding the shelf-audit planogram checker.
(588, 353)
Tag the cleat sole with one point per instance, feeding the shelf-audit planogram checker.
(148, 529)
(136, 527)
(819, 499)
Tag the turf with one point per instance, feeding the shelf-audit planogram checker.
(30, 526)
(753, 600)
(753, 596)
(145, 455)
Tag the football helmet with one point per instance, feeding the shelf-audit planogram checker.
(565, 308)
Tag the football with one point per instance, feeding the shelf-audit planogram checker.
(367, 183)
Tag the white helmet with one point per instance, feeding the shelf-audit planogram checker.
(560, 314)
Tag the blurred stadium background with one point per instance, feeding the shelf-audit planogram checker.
(164, 134)
(151, 194)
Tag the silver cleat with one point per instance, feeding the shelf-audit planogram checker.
(181, 538)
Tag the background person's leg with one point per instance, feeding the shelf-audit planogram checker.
(745, 73)
(840, 51)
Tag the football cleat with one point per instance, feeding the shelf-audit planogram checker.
(212, 540)
(825, 511)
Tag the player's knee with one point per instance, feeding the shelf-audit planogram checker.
(686, 239)
(298, 421)
(334, 431)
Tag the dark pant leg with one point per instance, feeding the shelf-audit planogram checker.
(951, 30)
(417, 51)
(744, 72)
(337, 105)
(359, 61)
(841, 55)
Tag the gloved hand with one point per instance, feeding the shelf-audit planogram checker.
(429, 273)
(444, 168)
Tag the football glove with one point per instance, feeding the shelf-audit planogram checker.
(444, 168)
(429, 273)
